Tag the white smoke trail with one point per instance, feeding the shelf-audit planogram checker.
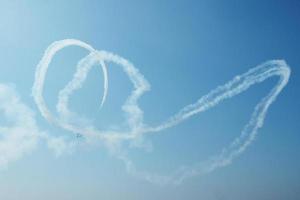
(41, 73)
(137, 127)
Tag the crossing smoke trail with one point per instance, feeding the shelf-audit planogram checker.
(137, 128)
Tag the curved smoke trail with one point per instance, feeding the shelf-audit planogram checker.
(41, 73)
(138, 128)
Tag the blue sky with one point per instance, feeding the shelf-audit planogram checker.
(184, 49)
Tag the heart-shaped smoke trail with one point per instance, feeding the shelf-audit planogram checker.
(137, 127)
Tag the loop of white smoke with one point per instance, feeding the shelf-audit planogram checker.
(135, 115)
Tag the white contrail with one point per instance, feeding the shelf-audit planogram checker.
(41, 74)
(105, 86)
(135, 114)
(137, 128)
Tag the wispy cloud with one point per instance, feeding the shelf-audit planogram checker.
(20, 135)
(19, 132)
(138, 128)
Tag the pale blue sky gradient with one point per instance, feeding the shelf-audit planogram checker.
(184, 49)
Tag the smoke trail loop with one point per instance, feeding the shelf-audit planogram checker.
(137, 128)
